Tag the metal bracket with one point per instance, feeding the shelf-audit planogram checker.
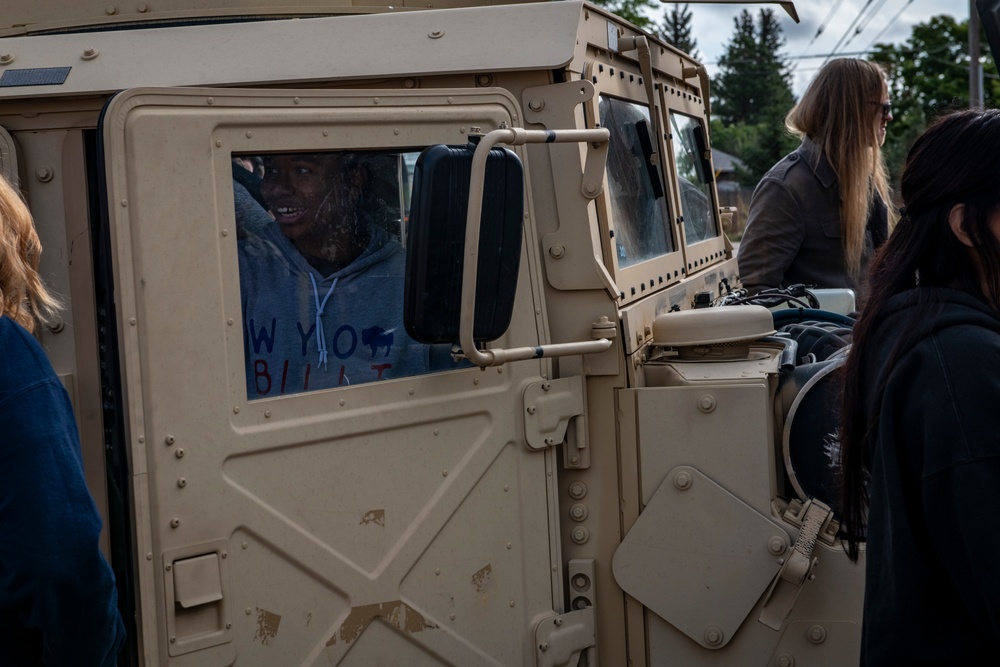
(795, 514)
(542, 101)
(498, 356)
(559, 640)
(555, 106)
(548, 407)
(797, 569)
(592, 183)
(640, 44)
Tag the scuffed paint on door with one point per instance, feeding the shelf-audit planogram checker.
(484, 583)
(396, 613)
(376, 517)
(267, 626)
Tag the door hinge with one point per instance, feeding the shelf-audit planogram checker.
(549, 405)
(797, 568)
(559, 640)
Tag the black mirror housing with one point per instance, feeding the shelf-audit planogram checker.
(705, 164)
(435, 253)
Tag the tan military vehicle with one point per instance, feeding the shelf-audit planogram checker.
(312, 445)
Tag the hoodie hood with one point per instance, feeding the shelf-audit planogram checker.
(915, 315)
(945, 306)
(268, 240)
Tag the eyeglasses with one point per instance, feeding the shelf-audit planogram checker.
(886, 109)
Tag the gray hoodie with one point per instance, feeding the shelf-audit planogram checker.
(304, 331)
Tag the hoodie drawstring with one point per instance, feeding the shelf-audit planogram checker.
(320, 335)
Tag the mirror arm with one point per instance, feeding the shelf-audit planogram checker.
(512, 137)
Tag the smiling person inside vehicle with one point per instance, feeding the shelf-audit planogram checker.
(321, 275)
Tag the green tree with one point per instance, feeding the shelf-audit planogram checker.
(928, 76)
(676, 30)
(752, 92)
(733, 93)
(753, 83)
(774, 70)
(633, 11)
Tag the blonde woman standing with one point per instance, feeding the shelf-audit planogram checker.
(818, 215)
(58, 604)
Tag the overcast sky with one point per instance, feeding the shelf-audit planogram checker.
(881, 21)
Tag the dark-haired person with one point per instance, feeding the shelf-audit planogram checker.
(58, 604)
(818, 215)
(921, 423)
(322, 279)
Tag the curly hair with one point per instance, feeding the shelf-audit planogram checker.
(23, 297)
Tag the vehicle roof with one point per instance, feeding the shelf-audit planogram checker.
(425, 43)
(20, 17)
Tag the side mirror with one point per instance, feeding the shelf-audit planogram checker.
(435, 252)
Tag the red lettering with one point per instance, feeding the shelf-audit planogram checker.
(305, 383)
(343, 374)
(284, 376)
(381, 368)
(260, 372)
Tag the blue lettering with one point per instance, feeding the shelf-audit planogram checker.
(336, 341)
(262, 336)
(305, 335)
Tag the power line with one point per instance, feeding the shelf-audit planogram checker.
(822, 26)
(887, 26)
(840, 42)
(864, 24)
(802, 57)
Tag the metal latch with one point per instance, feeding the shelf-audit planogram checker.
(548, 407)
(795, 514)
(797, 569)
(559, 640)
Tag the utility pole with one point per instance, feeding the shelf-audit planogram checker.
(975, 69)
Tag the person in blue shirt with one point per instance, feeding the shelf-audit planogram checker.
(58, 603)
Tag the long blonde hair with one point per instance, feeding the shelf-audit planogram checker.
(838, 112)
(23, 298)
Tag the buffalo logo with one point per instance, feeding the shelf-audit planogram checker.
(377, 337)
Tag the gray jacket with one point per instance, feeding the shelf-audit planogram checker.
(793, 232)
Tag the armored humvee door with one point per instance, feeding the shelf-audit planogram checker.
(393, 521)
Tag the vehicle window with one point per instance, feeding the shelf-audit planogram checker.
(638, 206)
(695, 187)
(321, 254)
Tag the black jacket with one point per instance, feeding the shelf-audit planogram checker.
(793, 232)
(932, 592)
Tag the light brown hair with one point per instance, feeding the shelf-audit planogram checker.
(838, 112)
(23, 298)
